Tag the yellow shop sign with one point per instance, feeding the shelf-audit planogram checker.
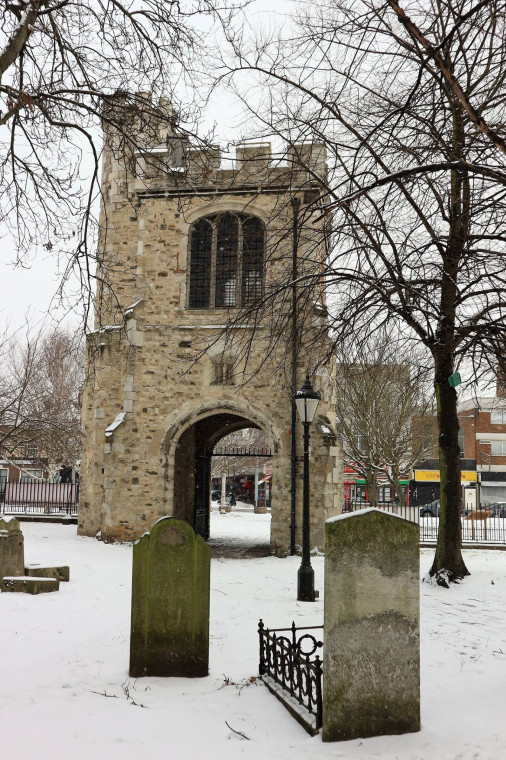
(434, 476)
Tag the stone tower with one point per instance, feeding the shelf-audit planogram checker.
(182, 354)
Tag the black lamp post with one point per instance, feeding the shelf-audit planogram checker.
(306, 401)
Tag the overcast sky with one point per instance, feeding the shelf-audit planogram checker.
(29, 291)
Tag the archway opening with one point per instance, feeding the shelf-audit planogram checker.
(229, 451)
(241, 481)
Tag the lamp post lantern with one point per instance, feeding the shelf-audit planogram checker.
(306, 401)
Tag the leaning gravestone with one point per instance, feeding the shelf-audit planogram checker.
(372, 626)
(12, 555)
(170, 602)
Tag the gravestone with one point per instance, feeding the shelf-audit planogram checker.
(170, 602)
(28, 585)
(12, 556)
(372, 626)
(60, 572)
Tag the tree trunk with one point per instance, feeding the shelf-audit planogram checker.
(401, 495)
(448, 565)
(372, 488)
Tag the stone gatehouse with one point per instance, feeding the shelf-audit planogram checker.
(182, 354)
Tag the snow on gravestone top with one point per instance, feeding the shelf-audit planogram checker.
(9, 524)
(170, 602)
(372, 626)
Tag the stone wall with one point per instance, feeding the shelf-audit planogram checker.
(150, 358)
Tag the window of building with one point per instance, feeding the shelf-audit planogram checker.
(223, 373)
(226, 261)
(28, 476)
(461, 442)
(31, 451)
(498, 448)
(359, 442)
(385, 494)
(498, 417)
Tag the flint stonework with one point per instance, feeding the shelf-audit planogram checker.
(12, 557)
(372, 626)
(170, 602)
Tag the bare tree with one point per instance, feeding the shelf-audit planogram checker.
(411, 111)
(40, 383)
(382, 395)
(66, 67)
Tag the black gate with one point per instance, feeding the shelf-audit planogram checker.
(290, 674)
(202, 480)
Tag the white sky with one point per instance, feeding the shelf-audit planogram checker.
(28, 292)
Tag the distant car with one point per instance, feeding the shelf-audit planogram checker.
(216, 496)
(498, 509)
(431, 509)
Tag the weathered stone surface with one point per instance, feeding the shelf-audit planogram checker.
(61, 573)
(26, 585)
(170, 602)
(372, 623)
(12, 558)
(147, 400)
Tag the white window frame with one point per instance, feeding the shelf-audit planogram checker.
(27, 476)
(498, 445)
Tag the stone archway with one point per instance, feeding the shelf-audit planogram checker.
(189, 450)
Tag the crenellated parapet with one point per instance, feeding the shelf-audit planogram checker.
(177, 167)
(159, 158)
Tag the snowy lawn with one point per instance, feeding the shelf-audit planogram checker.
(65, 692)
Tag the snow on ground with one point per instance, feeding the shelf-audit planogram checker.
(65, 693)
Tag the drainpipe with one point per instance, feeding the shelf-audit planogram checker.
(295, 208)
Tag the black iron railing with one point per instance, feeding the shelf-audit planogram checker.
(484, 524)
(38, 497)
(292, 670)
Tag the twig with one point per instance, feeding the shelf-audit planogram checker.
(237, 732)
(104, 694)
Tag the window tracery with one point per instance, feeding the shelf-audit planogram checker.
(226, 261)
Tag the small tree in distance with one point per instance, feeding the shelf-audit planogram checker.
(40, 381)
(382, 396)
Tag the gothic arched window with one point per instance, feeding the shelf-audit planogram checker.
(226, 261)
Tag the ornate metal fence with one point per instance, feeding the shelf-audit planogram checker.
(289, 672)
(39, 498)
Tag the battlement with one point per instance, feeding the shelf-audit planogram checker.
(175, 165)
(161, 159)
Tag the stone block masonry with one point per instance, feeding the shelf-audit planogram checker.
(157, 400)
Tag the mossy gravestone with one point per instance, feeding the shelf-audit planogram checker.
(170, 602)
(372, 626)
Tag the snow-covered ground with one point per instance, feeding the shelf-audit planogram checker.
(65, 693)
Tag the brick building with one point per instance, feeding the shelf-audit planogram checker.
(483, 441)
